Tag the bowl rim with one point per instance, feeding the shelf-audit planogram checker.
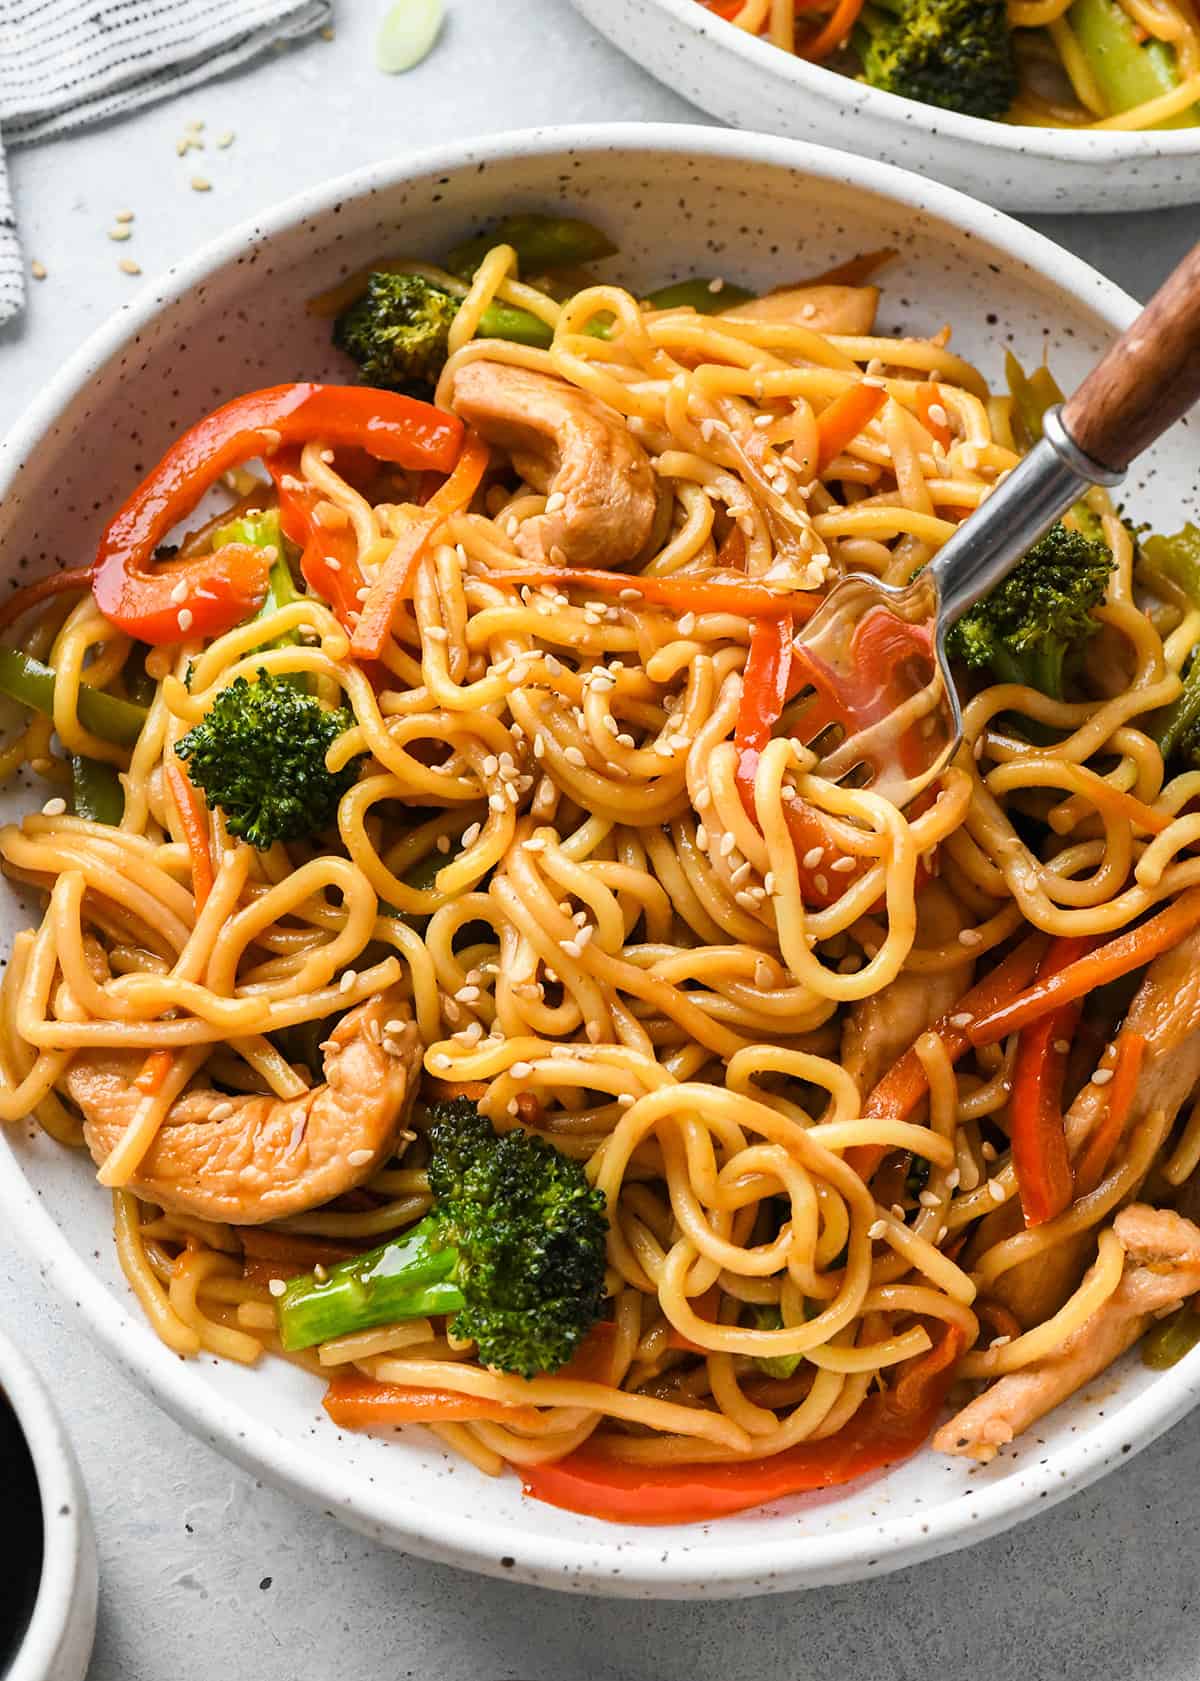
(65, 1603)
(1098, 147)
(611, 1560)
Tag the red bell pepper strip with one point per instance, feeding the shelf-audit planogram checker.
(219, 590)
(890, 1426)
(58, 583)
(710, 594)
(328, 553)
(1098, 1152)
(904, 1085)
(1131, 950)
(1039, 1142)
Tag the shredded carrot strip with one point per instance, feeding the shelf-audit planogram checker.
(841, 22)
(929, 396)
(153, 1072)
(1120, 804)
(1098, 1152)
(394, 584)
(710, 593)
(840, 423)
(357, 1403)
(905, 1083)
(194, 822)
(58, 583)
(1131, 950)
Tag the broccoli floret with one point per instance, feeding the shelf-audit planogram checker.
(513, 1247)
(397, 331)
(1039, 617)
(954, 53)
(259, 754)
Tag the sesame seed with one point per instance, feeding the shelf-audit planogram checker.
(553, 666)
(185, 618)
(1000, 1342)
(128, 266)
(1062, 1046)
(821, 883)
(952, 1179)
(572, 948)
(276, 1286)
(769, 882)
(687, 624)
(987, 1150)
(221, 1111)
(747, 898)
(555, 501)
(702, 837)
(491, 765)
(970, 937)
(496, 802)
(842, 866)
(38, 270)
(348, 980)
(897, 1212)
(225, 139)
(521, 1070)
(441, 1060)
(470, 835)
(929, 1199)
(716, 285)
(995, 1190)
(1102, 1076)
(877, 1229)
(813, 857)
(728, 844)
(739, 875)
(964, 1018)
(574, 756)
(54, 808)
(119, 234)
(625, 740)
(360, 1158)
(201, 184)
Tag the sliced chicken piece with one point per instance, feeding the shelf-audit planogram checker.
(1162, 1268)
(1166, 1009)
(253, 1158)
(575, 448)
(879, 1030)
(846, 310)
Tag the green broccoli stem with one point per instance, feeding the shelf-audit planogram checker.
(96, 791)
(1127, 71)
(406, 1279)
(28, 681)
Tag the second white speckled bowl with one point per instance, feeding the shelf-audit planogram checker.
(751, 84)
(678, 201)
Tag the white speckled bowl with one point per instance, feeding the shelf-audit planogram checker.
(57, 1645)
(678, 200)
(751, 84)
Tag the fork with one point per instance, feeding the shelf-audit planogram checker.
(884, 712)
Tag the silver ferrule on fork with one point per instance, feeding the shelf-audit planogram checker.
(1022, 508)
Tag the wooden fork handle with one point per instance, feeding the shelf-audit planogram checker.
(1148, 380)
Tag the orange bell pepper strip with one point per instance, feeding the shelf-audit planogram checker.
(890, 1426)
(210, 593)
(1131, 950)
(840, 422)
(706, 594)
(1100, 1147)
(394, 584)
(355, 1402)
(904, 1085)
(1039, 1141)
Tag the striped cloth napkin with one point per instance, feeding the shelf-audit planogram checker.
(66, 63)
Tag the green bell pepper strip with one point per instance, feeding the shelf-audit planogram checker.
(31, 683)
(541, 242)
(406, 1279)
(96, 791)
(1128, 72)
(697, 293)
(519, 326)
(1171, 1338)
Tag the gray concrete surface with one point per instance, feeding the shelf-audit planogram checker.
(207, 1574)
